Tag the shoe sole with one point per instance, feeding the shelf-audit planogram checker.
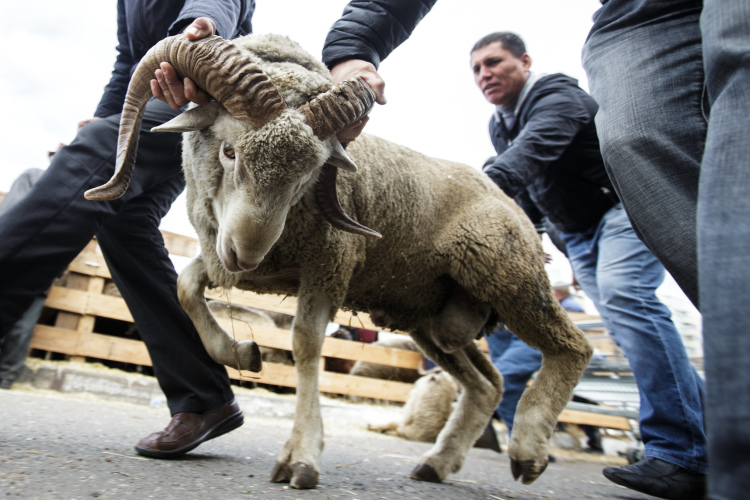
(228, 425)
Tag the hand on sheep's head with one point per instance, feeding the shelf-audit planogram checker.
(168, 87)
(351, 69)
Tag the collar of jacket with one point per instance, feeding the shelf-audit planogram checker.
(530, 82)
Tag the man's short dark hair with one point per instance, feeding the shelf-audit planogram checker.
(511, 42)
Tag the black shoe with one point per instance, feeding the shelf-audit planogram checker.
(6, 383)
(660, 479)
(488, 439)
(593, 451)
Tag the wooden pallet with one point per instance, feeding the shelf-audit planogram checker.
(81, 302)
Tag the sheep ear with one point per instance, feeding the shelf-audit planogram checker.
(196, 118)
(339, 158)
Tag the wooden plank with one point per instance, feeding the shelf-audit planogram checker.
(335, 348)
(178, 244)
(94, 287)
(66, 320)
(285, 305)
(588, 418)
(352, 385)
(91, 264)
(65, 299)
(84, 303)
(274, 303)
(337, 383)
(100, 346)
(93, 345)
(80, 302)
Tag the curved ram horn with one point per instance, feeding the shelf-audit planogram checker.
(214, 64)
(327, 114)
(328, 204)
(341, 106)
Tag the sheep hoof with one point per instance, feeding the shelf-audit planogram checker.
(528, 470)
(424, 472)
(281, 473)
(304, 477)
(247, 355)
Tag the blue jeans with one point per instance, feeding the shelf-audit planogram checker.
(673, 83)
(621, 276)
(517, 362)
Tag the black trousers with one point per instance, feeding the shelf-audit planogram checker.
(44, 231)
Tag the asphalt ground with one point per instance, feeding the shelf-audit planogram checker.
(75, 445)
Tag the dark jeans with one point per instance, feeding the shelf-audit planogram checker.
(15, 344)
(673, 82)
(44, 231)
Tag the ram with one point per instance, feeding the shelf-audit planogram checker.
(268, 191)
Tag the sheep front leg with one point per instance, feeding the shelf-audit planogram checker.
(222, 348)
(298, 461)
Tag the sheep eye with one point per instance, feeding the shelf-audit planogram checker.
(229, 151)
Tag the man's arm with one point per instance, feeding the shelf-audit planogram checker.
(199, 19)
(552, 125)
(225, 15)
(366, 33)
(114, 93)
(371, 30)
(168, 86)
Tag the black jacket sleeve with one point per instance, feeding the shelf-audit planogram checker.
(370, 30)
(114, 93)
(225, 13)
(553, 122)
(232, 18)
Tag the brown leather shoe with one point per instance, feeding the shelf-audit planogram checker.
(187, 430)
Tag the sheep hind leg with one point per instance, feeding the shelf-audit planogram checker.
(222, 347)
(481, 392)
(535, 316)
(505, 268)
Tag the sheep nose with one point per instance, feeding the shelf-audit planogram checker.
(243, 264)
(248, 265)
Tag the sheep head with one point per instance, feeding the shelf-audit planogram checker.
(268, 154)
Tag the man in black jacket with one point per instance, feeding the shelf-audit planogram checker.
(44, 231)
(548, 152)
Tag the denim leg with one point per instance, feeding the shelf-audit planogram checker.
(724, 240)
(586, 254)
(627, 276)
(15, 345)
(648, 80)
(516, 362)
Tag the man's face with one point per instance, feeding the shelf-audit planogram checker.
(498, 73)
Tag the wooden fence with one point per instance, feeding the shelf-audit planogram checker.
(81, 301)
